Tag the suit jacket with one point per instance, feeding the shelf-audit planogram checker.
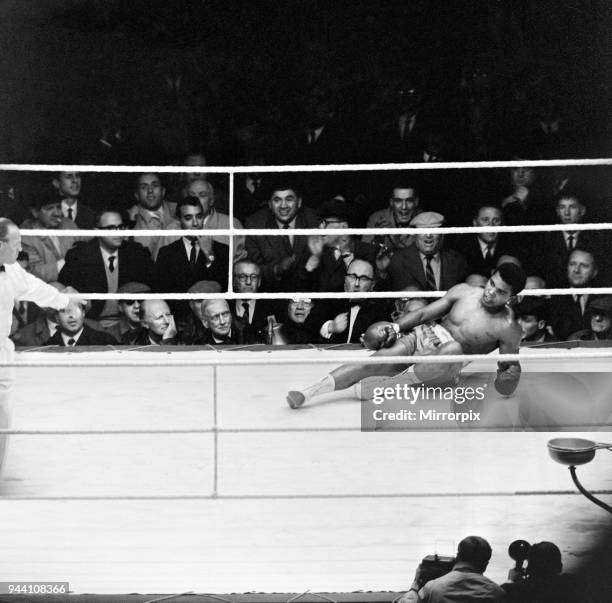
(196, 334)
(469, 247)
(329, 147)
(255, 330)
(386, 144)
(370, 311)
(550, 255)
(89, 336)
(85, 271)
(175, 274)
(406, 269)
(34, 334)
(566, 315)
(267, 251)
(42, 252)
(86, 216)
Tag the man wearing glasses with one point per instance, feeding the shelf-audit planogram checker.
(344, 320)
(103, 264)
(250, 315)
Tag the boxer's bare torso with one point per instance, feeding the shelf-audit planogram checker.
(476, 328)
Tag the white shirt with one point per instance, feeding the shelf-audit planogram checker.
(240, 308)
(483, 248)
(73, 207)
(187, 244)
(566, 236)
(17, 284)
(75, 337)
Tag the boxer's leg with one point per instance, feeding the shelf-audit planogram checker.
(7, 380)
(429, 374)
(347, 375)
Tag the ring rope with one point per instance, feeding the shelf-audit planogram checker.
(280, 496)
(342, 167)
(231, 430)
(277, 232)
(329, 295)
(71, 360)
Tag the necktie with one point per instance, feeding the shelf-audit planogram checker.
(286, 227)
(71, 342)
(312, 136)
(70, 213)
(570, 242)
(111, 263)
(489, 252)
(430, 278)
(245, 307)
(193, 253)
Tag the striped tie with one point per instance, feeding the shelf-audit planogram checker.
(429, 276)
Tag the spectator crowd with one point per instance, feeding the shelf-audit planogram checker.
(126, 263)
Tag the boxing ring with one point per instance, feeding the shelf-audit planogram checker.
(173, 470)
(201, 478)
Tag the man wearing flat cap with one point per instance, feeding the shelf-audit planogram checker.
(426, 264)
(599, 320)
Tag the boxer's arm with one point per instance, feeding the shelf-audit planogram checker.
(509, 372)
(432, 311)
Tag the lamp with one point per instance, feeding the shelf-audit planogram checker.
(577, 451)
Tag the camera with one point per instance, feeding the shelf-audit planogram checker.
(434, 566)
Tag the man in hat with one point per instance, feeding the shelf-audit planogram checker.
(533, 315)
(330, 255)
(426, 264)
(126, 330)
(599, 318)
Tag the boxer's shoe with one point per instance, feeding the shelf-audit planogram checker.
(296, 398)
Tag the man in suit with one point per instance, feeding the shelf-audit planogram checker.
(157, 324)
(214, 220)
(330, 255)
(72, 331)
(250, 315)
(483, 250)
(426, 264)
(47, 253)
(127, 329)
(68, 187)
(152, 212)
(553, 248)
(281, 257)
(103, 264)
(190, 259)
(403, 206)
(216, 318)
(399, 138)
(569, 312)
(344, 320)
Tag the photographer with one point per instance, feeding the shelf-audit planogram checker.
(465, 582)
(543, 581)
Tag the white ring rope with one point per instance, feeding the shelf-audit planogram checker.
(358, 167)
(329, 295)
(277, 232)
(71, 359)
